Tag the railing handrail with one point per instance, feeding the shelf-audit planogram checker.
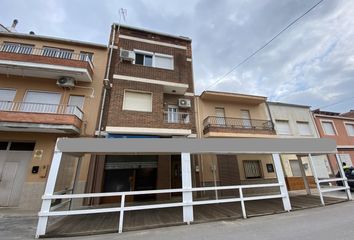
(225, 121)
(30, 50)
(14, 106)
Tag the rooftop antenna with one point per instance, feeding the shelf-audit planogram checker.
(122, 15)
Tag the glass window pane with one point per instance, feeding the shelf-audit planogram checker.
(22, 146)
(148, 61)
(139, 59)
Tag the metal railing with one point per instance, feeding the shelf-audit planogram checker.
(239, 123)
(123, 208)
(41, 108)
(176, 117)
(46, 51)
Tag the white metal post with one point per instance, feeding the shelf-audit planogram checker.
(49, 190)
(187, 185)
(244, 215)
(342, 174)
(314, 171)
(281, 180)
(76, 179)
(303, 173)
(121, 214)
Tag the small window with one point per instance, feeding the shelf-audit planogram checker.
(295, 168)
(164, 62)
(304, 128)
(350, 129)
(22, 146)
(328, 128)
(345, 157)
(143, 59)
(252, 169)
(137, 101)
(283, 127)
(3, 145)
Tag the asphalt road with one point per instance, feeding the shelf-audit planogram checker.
(330, 222)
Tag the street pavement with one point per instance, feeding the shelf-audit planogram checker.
(330, 222)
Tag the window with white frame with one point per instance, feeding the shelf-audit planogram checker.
(252, 169)
(57, 52)
(328, 128)
(143, 59)
(350, 129)
(283, 127)
(6, 98)
(42, 102)
(137, 101)
(156, 60)
(304, 128)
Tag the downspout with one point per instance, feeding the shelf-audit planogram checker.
(106, 79)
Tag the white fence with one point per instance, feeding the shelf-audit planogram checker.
(123, 208)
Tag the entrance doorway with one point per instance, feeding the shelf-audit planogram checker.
(176, 173)
(14, 158)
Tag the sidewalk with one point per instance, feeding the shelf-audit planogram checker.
(330, 222)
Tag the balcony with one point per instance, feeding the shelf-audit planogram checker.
(25, 60)
(226, 125)
(39, 117)
(176, 118)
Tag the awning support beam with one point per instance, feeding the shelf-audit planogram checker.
(281, 180)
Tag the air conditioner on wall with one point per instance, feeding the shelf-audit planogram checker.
(184, 103)
(127, 55)
(66, 82)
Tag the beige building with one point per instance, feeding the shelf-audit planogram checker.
(49, 88)
(296, 121)
(221, 114)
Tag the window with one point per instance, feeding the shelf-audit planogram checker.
(246, 122)
(328, 128)
(350, 129)
(86, 56)
(43, 102)
(137, 101)
(6, 98)
(220, 116)
(143, 59)
(283, 127)
(151, 59)
(57, 53)
(304, 128)
(17, 48)
(22, 146)
(252, 168)
(165, 62)
(3, 145)
(75, 105)
(172, 114)
(345, 157)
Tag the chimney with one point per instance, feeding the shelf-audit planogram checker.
(13, 26)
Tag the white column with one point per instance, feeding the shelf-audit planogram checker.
(187, 185)
(49, 190)
(342, 174)
(303, 173)
(76, 180)
(281, 180)
(316, 179)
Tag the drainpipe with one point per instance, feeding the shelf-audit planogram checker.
(107, 79)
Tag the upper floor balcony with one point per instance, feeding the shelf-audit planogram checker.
(227, 125)
(40, 117)
(46, 62)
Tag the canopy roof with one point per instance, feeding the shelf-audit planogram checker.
(153, 146)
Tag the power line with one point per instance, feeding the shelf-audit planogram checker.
(265, 45)
(335, 103)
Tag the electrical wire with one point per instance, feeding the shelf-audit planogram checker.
(265, 45)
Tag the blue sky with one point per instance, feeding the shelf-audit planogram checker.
(312, 63)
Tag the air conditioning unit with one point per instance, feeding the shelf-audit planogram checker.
(184, 103)
(127, 55)
(66, 82)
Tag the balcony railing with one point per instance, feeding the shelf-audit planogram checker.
(41, 108)
(46, 52)
(176, 117)
(237, 123)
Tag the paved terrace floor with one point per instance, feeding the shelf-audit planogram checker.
(146, 219)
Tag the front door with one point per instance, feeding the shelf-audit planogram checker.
(176, 173)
